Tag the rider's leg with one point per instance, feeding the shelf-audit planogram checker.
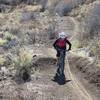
(62, 62)
(58, 60)
(58, 70)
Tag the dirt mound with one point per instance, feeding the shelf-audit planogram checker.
(87, 72)
(45, 61)
(44, 64)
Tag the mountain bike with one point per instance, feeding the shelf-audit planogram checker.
(60, 76)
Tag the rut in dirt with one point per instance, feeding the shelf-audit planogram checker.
(48, 71)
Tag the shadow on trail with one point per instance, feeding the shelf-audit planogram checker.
(61, 80)
(47, 64)
(63, 83)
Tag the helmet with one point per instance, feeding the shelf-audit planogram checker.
(62, 35)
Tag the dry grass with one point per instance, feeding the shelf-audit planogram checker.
(2, 41)
(24, 59)
(2, 60)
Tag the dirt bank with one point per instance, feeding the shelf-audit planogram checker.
(41, 86)
(87, 73)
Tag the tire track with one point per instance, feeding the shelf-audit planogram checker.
(75, 85)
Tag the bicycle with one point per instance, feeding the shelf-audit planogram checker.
(60, 76)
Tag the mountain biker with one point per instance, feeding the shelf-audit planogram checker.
(60, 46)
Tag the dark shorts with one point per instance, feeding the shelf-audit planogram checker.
(58, 54)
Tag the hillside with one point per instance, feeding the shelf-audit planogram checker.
(28, 29)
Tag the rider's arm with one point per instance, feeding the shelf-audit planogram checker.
(55, 44)
(69, 44)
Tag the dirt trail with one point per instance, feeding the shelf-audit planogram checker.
(45, 88)
(75, 86)
(72, 90)
(41, 87)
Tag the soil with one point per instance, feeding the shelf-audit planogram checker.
(41, 86)
(87, 73)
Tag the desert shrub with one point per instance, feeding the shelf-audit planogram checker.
(24, 59)
(23, 64)
(5, 8)
(26, 16)
(10, 40)
(76, 44)
(95, 48)
(90, 22)
(65, 6)
(51, 31)
(8, 36)
(31, 38)
(2, 60)
(10, 2)
(2, 42)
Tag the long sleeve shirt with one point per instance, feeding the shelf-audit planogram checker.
(64, 47)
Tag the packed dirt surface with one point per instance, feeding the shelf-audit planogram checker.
(87, 73)
(41, 86)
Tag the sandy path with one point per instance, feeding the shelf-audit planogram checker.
(75, 86)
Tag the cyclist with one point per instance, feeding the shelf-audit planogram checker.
(60, 46)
